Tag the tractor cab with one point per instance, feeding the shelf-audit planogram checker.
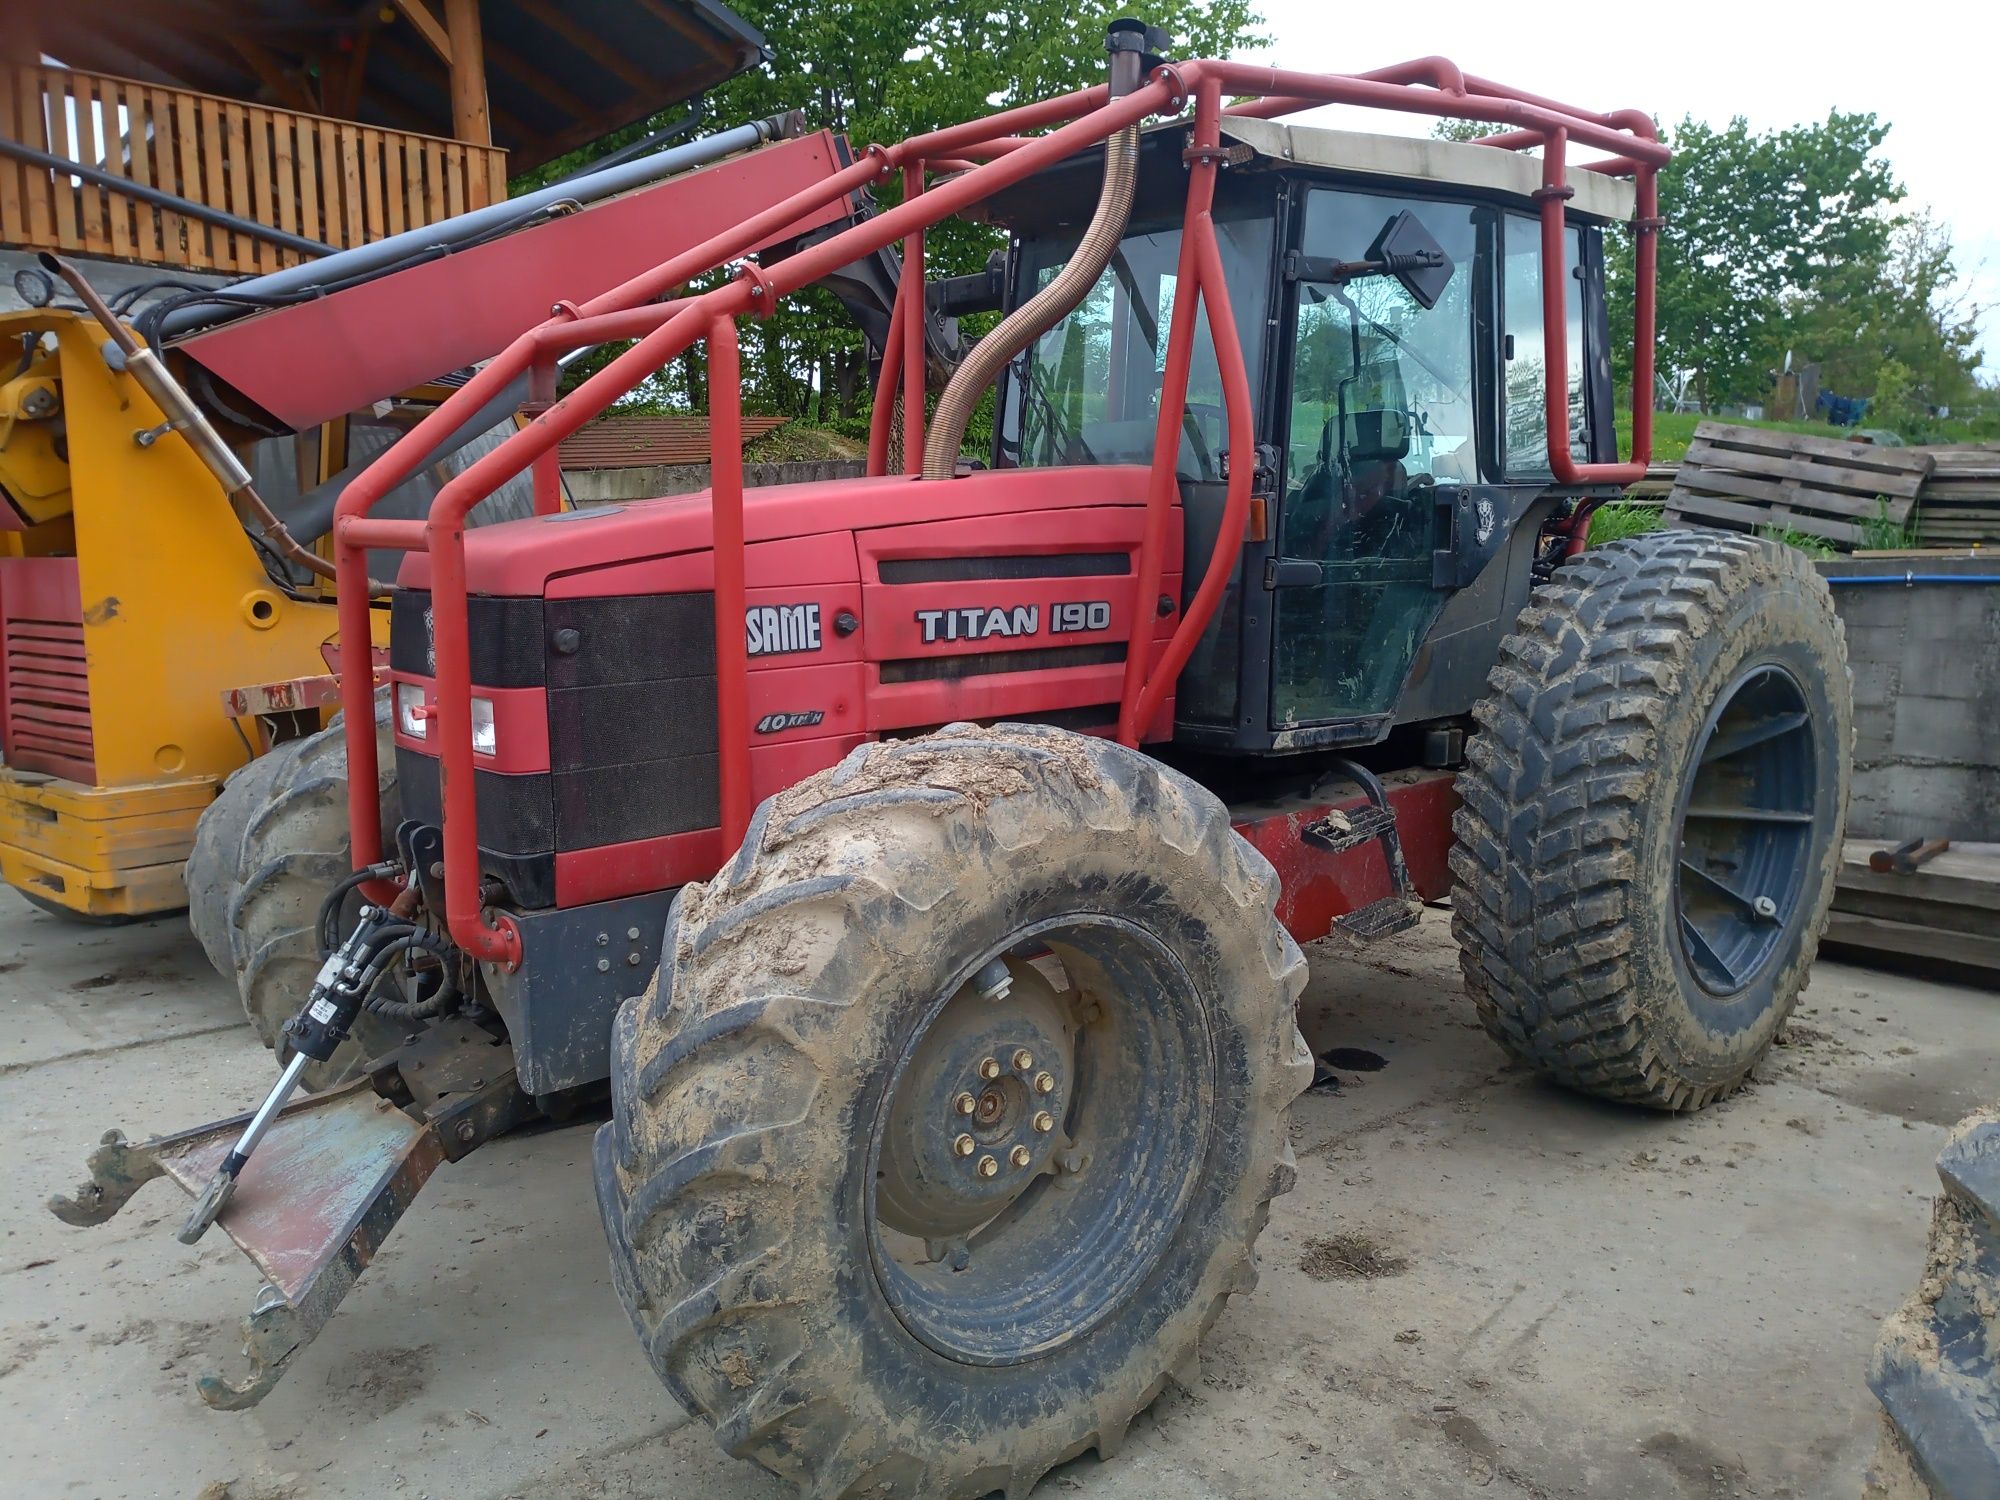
(1388, 294)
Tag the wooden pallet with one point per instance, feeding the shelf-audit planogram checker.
(1745, 478)
(1960, 501)
(1948, 909)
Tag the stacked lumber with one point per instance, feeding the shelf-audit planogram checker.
(1959, 504)
(1947, 908)
(1746, 478)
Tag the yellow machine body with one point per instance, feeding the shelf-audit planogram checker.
(131, 601)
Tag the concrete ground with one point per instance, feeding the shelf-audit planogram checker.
(1482, 1285)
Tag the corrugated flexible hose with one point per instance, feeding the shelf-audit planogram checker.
(1040, 313)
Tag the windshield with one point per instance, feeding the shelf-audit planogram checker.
(1088, 391)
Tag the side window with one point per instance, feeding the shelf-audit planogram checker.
(1525, 432)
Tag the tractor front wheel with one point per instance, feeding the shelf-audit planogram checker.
(953, 1113)
(1651, 814)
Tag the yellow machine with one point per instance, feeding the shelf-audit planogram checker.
(132, 601)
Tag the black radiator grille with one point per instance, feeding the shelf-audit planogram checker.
(631, 716)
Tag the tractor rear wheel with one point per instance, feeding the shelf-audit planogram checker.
(1651, 814)
(266, 853)
(953, 1113)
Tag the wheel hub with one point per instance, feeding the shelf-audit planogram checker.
(979, 1114)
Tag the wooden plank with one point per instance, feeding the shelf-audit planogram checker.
(355, 216)
(13, 219)
(285, 172)
(188, 155)
(496, 163)
(37, 188)
(115, 133)
(149, 241)
(1908, 938)
(1789, 492)
(221, 247)
(413, 181)
(392, 183)
(371, 183)
(236, 172)
(1821, 474)
(434, 197)
(333, 186)
(1855, 455)
(1707, 507)
(55, 88)
(307, 141)
(454, 182)
(92, 215)
(259, 124)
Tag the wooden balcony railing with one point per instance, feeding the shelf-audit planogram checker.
(328, 180)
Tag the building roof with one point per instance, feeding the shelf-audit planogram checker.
(633, 442)
(559, 73)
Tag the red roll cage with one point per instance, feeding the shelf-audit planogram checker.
(982, 157)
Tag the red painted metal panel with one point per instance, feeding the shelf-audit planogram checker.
(44, 672)
(336, 354)
(1317, 886)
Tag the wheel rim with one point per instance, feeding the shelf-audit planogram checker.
(1090, 1085)
(1744, 828)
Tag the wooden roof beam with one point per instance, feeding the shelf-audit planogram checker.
(427, 26)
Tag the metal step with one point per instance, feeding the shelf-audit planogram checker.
(1378, 919)
(1348, 828)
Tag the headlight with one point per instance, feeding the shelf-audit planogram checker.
(411, 716)
(483, 740)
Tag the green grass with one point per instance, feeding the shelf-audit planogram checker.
(1610, 523)
(1674, 430)
(1804, 541)
(1881, 534)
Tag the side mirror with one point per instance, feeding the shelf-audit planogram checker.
(1409, 253)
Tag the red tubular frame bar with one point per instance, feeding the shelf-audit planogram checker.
(663, 329)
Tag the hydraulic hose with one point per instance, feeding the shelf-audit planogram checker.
(1054, 302)
(184, 417)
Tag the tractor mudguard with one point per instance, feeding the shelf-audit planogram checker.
(335, 1174)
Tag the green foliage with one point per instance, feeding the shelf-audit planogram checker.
(1464, 130)
(1881, 533)
(1623, 518)
(878, 71)
(1803, 541)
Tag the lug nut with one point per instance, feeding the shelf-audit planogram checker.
(1023, 1060)
(964, 1104)
(1018, 1156)
(1045, 1083)
(988, 1166)
(990, 1069)
(963, 1146)
(1044, 1122)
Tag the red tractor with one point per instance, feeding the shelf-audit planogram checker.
(923, 858)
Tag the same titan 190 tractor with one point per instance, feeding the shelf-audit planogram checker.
(922, 859)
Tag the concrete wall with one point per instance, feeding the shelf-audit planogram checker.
(599, 486)
(1926, 664)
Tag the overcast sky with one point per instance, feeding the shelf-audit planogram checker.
(1923, 68)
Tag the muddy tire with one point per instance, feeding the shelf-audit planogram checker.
(1651, 814)
(266, 852)
(1936, 1370)
(790, 1097)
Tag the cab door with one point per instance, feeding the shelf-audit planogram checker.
(1382, 475)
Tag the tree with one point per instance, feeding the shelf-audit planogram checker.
(1756, 223)
(880, 70)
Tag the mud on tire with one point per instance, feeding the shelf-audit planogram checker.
(266, 852)
(1606, 731)
(738, 1176)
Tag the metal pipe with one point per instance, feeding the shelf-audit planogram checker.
(732, 661)
(915, 317)
(362, 260)
(184, 417)
(160, 198)
(1054, 302)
